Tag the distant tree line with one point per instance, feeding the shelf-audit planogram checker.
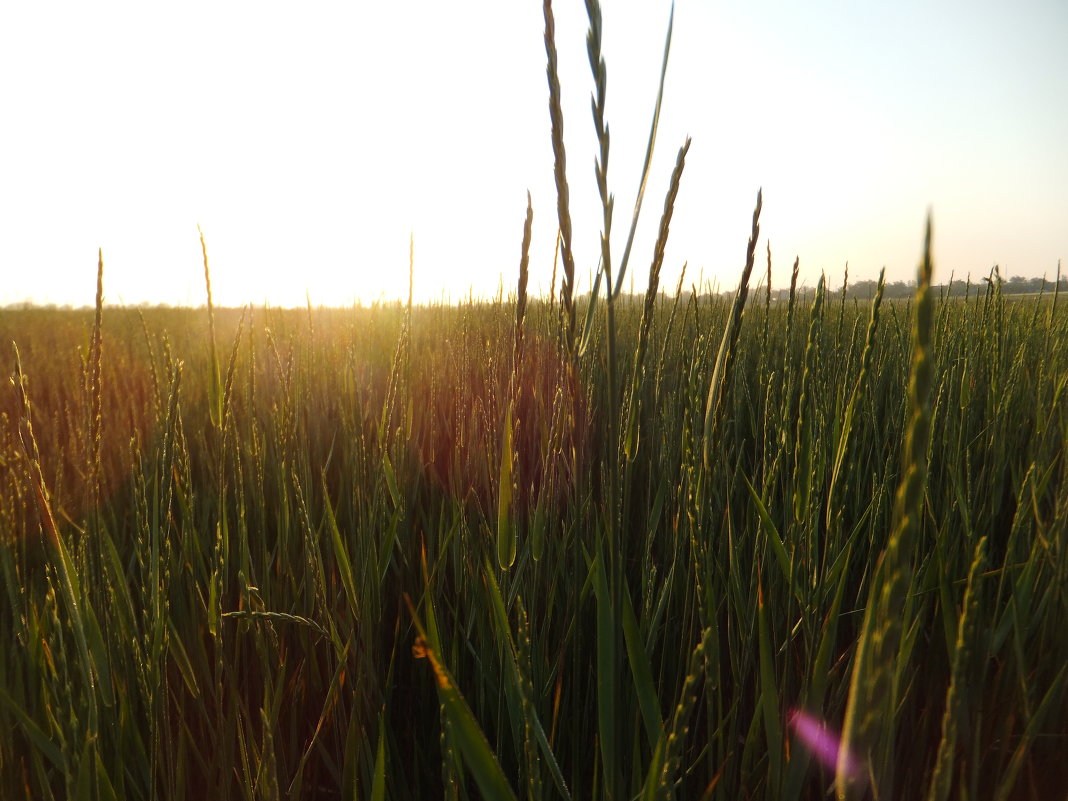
(861, 290)
(865, 290)
(1013, 285)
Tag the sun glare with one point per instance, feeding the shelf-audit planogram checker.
(311, 146)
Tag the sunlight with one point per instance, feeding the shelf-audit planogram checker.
(309, 147)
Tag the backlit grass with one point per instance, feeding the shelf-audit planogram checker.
(674, 546)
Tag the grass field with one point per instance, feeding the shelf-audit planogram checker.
(671, 546)
(287, 570)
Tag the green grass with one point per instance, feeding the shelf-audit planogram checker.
(612, 548)
(246, 581)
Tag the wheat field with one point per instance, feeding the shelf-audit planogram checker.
(675, 545)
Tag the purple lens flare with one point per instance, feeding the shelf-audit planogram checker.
(824, 743)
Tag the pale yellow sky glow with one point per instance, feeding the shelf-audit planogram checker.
(308, 140)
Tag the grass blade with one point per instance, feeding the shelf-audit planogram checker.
(466, 733)
(648, 156)
(506, 540)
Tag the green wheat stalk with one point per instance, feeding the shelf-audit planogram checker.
(955, 711)
(721, 371)
(631, 435)
(563, 208)
(855, 396)
(215, 387)
(868, 729)
(803, 444)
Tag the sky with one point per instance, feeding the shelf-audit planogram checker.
(310, 141)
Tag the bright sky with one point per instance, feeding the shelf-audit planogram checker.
(308, 140)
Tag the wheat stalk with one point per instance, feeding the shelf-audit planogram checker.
(869, 728)
(563, 208)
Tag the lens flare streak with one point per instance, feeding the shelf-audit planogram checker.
(823, 742)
